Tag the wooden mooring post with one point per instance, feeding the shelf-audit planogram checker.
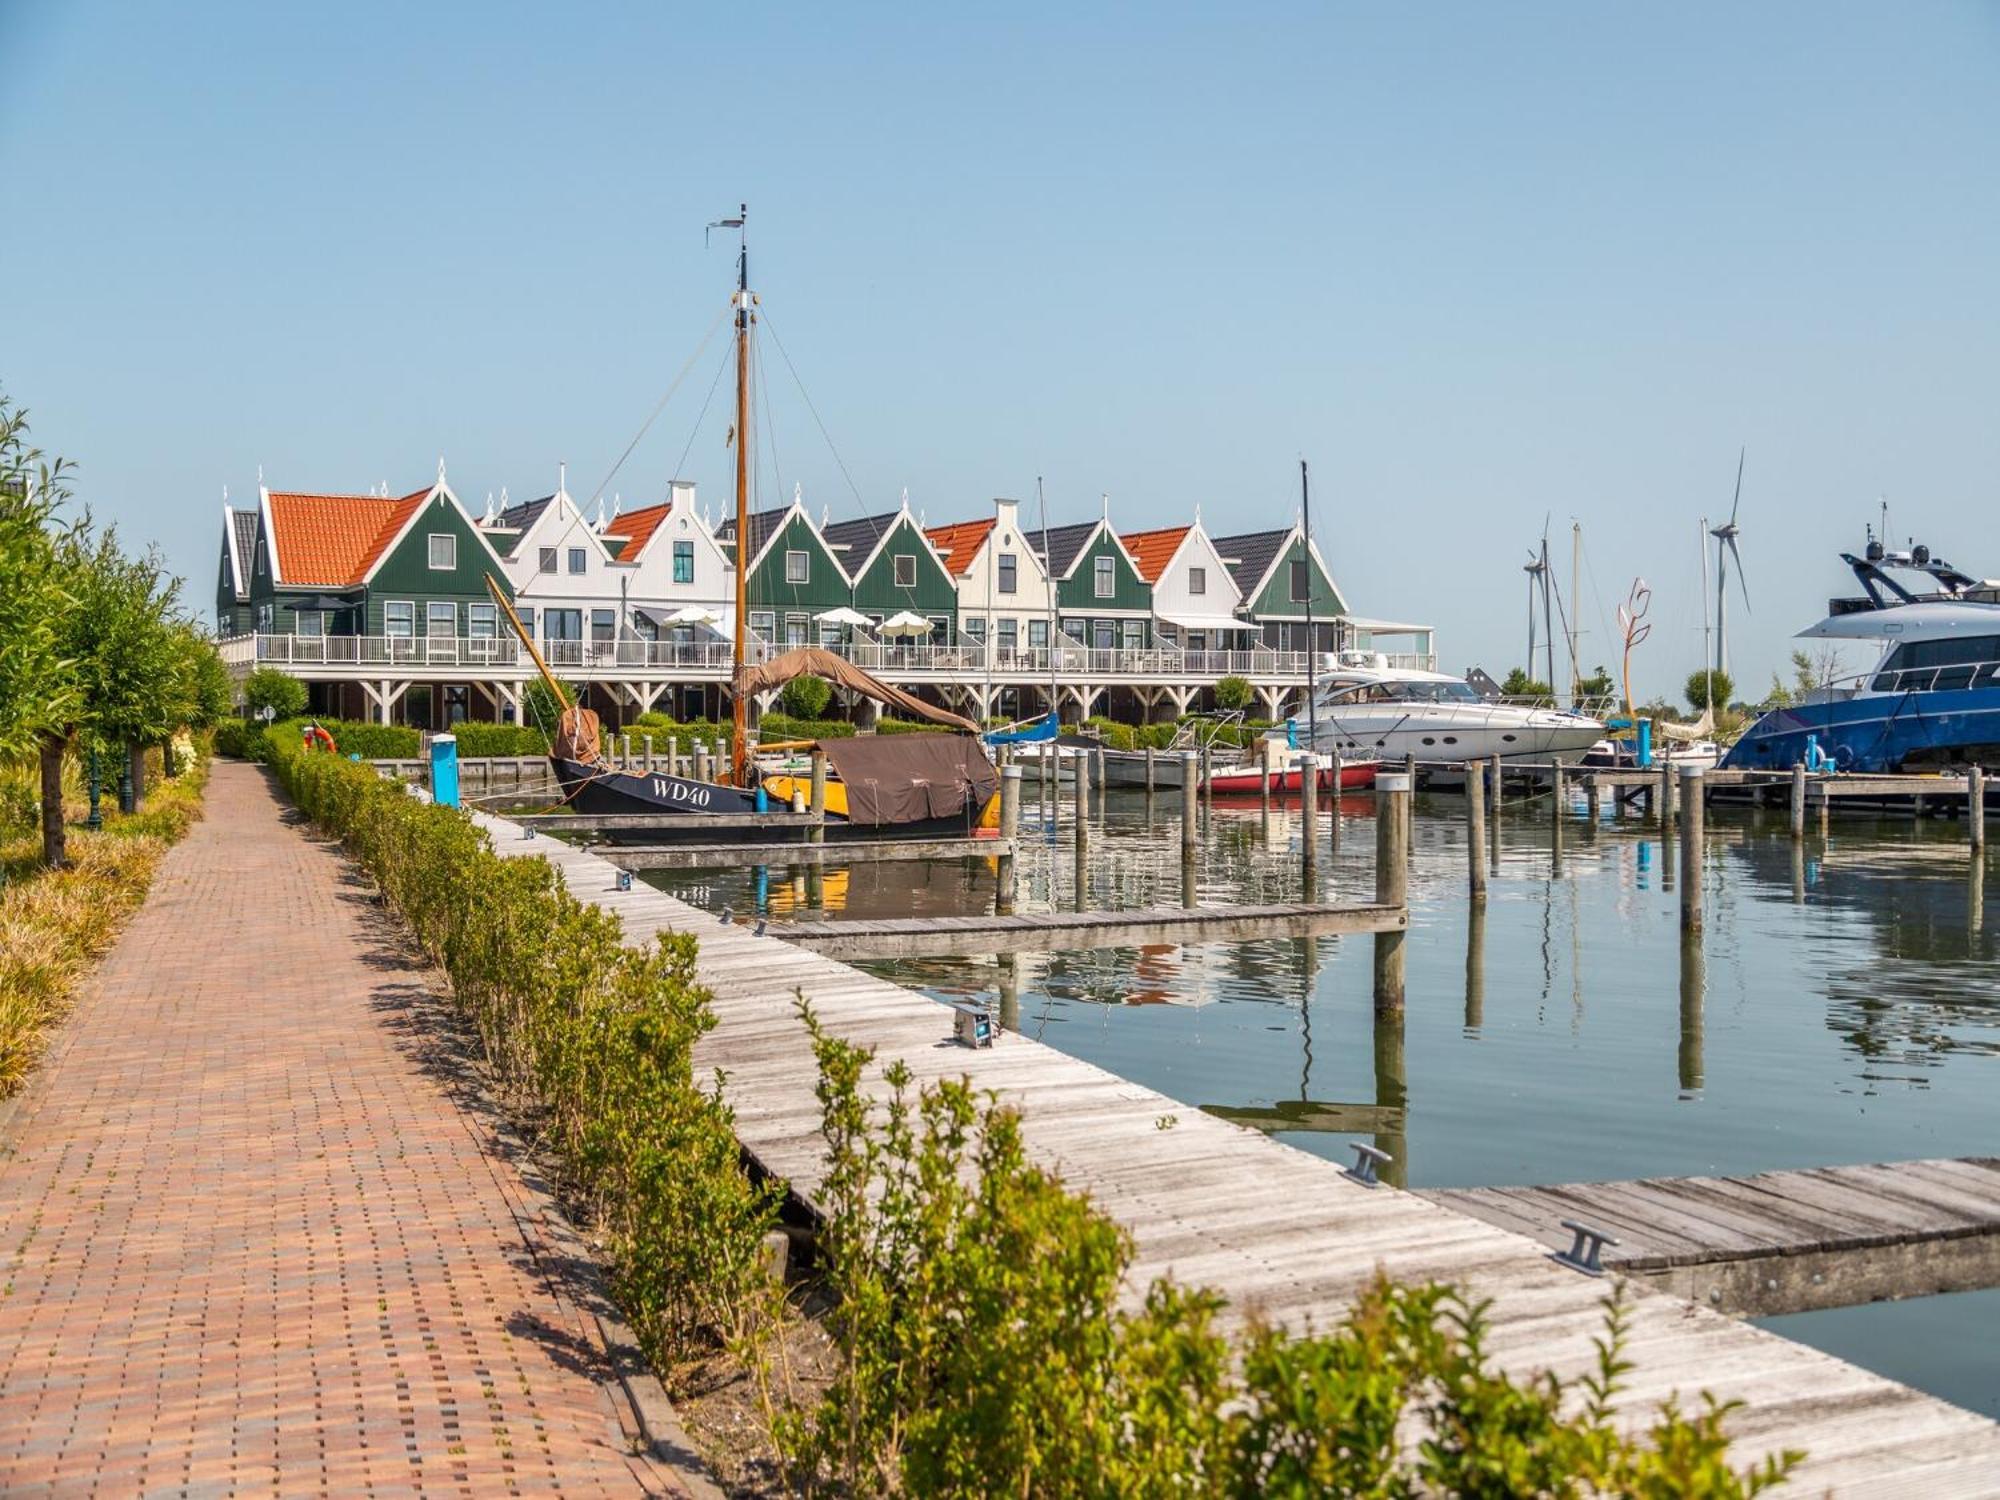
(1309, 823)
(700, 761)
(817, 833)
(1392, 883)
(1798, 801)
(1693, 812)
(1475, 829)
(673, 755)
(1665, 796)
(1190, 808)
(1975, 808)
(1149, 770)
(1010, 828)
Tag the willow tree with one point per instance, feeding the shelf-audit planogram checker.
(39, 692)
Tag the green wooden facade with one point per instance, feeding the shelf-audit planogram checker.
(931, 592)
(1123, 618)
(1282, 617)
(781, 610)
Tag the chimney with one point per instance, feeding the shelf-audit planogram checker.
(1006, 517)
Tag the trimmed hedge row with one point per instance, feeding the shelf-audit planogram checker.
(592, 1040)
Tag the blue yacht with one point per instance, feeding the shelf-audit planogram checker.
(1931, 698)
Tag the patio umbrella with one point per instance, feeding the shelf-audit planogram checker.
(843, 616)
(906, 623)
(692, 614)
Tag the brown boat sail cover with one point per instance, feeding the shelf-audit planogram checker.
(909, 778)
(576, 735)
(811, 661)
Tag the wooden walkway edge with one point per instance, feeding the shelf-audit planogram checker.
(1278, 1231)
(910, 937)
(1779, 1242)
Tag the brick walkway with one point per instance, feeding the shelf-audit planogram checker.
(252, 1234)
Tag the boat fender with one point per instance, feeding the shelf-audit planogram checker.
(763, 799)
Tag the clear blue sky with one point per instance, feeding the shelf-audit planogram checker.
(1477, 263)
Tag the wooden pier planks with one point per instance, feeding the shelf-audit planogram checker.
(847, 851)
(1282, 1233)
(908, 937)
(1779, 1242)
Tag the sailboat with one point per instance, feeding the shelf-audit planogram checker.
(910, 786)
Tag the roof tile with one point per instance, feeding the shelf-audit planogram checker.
(960, 543)
(1153, 550)
(333, 540)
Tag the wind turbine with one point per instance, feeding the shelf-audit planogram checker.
(1725, 543)
(1537, 569)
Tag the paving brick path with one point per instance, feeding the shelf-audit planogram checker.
(253, 1233)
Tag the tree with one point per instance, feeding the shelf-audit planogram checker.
(539, 708)
(280, 692)
(806, 697)
(1815, 670)
(1520, 685)
(210, 690)
(1596, 685)
(1234, 694)
(1708, 686)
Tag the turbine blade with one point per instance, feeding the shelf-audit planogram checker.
(1740, 584)
(1741, 453)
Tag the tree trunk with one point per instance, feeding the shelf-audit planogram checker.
(138, 757)
(55, 838)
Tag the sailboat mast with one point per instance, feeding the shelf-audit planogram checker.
(1709, 679)
(1575, 610)
(739, 758)
(1049, 600)
(1312, 644)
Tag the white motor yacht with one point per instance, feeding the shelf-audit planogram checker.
(1367, 708)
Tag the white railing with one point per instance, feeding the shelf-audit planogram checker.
(709, 658)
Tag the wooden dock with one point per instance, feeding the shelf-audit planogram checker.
(840, 852)
(648, 822)
(944, 937)
(1778, 1242)
(1277, 1230)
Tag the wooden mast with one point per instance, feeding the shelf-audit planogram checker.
(739, 758)
(507, 609)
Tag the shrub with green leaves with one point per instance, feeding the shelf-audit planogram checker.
(591, 1039)
(1233, 694)
(806, 697)
(282, 693)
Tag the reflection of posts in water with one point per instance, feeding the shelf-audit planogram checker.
(1799, 871)
(1667, 860)
(1333, 808)
(1010, 991)
(1475, 966)
(1693, 815)
(760, 880)
(1392, 1095)
(1188, 891)
(1392, 883)
(1975, 893)
(1556, 817)
(1693, 980)
(815, 887)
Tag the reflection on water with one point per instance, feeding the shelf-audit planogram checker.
(1841, 1006)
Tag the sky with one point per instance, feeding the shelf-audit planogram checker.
(1479, 265)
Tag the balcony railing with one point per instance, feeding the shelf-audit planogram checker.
(709, 658)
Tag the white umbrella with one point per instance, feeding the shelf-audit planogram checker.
(905, 623)
(843, 616)
(693, 614)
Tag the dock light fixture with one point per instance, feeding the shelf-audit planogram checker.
(1584, 1251)
(624, 880)
(973, 1026)
(527, 833)
(1366, 1159)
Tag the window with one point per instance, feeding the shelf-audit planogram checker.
(795, 626)
(906, 570)
(1197, 580)
(603, 625)
(264, 616)
(644, 627)
(798, 568)
(576, 559)
(441, 620)
(223, 623)
(1301, 582)
(1010, 635)
(1038, 635)
(1197, 640)
(457, 703)
(763, 623)
(548, 555)
(683, 562)
(1103, 634)
(975, 630)
(1944, 653)
(1008, 571)
(399, 619)
(562, 624)
(940, 630)
(444, 551)
(311, 622)
(527, 621)
(1105, 573)
(480, 622)
(1134, 633)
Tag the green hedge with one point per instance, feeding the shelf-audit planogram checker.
(594, 1039)
(499, 739)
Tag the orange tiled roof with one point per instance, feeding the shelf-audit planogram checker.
(637, 527)
(959, 543)
(333, 540)
(1153, 550)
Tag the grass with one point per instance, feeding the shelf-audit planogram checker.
(56, 924)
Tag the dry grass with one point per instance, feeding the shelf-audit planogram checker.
(55, 925)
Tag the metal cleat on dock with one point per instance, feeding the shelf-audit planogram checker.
(1366, 1159)
(1585, 1249)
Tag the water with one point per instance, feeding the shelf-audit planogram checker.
(1842, 1007)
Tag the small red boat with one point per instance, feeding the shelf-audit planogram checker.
(1244, 781)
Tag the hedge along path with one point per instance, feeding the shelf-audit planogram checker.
(1273, 1228)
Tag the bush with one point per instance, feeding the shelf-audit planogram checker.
(783, 727)
(887, 725)
(591, 1039)
(280, 692)
(500, 739)
(1234, 694)
(1701, 683)
(805, 697)
(238, 738)
(983, 1352)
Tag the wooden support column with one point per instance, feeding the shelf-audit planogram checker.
(1392, 884)
(1475, 830)
(1799, 801)
(1693, 813)
(817, 833)
(1975, 808)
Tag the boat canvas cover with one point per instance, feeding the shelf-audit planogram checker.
(908, 778)
(812, 661)
(577, 736)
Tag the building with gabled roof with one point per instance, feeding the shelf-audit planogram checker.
(1195, 599)
(1003, 593)
(793, 577)
(896, 569)
(1101, 599)
(1278, 574)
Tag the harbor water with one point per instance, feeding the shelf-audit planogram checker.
(1841, 1006)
